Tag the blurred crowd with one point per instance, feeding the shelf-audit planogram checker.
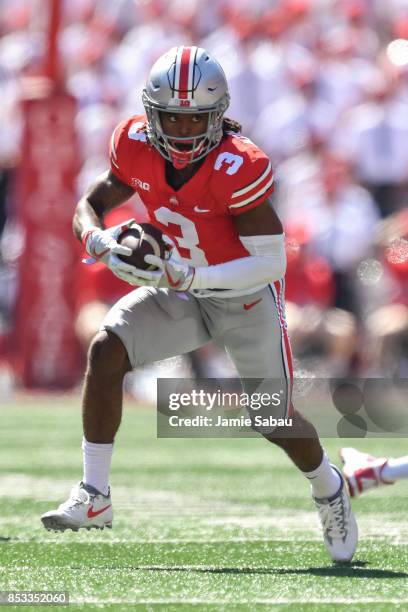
(320, 85)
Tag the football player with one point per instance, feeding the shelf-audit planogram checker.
(364, 472)
(208, 188)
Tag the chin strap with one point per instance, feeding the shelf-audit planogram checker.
(178, 163)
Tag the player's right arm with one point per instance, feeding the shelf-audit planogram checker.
(106, 193)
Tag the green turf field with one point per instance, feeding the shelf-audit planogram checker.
(199, 524)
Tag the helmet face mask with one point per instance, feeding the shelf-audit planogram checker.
(185, 80)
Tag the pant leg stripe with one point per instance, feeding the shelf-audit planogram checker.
(276, 290)
(285, 331)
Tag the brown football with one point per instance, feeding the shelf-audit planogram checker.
(143, 239)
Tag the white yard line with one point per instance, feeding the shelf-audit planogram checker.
(214, 520)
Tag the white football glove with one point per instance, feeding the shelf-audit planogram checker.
(102, 246)
(171, 274)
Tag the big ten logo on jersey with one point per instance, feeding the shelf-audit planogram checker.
(135, 132)
(136, 182)
(232, 161)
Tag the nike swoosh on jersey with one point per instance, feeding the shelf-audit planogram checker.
(92, 514)
(200, 210)
(252, 304)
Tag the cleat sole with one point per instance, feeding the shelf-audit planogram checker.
(57, 524)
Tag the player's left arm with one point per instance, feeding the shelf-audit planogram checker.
(261, 233)
(259, 221)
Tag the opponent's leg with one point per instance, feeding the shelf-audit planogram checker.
(395, 469)
(364, 472)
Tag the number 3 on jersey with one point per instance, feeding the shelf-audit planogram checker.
(189, 238)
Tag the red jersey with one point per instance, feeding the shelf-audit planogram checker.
(235, 177)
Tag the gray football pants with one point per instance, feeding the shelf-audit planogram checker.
(155, 324)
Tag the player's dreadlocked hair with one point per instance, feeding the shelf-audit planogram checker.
(230, 125)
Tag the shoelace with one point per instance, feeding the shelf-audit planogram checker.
(334, 518)
(76, 497)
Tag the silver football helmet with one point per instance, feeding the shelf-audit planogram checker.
(185, 80)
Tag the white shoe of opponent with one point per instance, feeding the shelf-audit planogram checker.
(85, 508)
(339, 525)
(362, 471)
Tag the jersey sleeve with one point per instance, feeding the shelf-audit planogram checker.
(254, 182)
(125, 144)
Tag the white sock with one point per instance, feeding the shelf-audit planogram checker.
(324, 481)
(97, 462)
(395, 469)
